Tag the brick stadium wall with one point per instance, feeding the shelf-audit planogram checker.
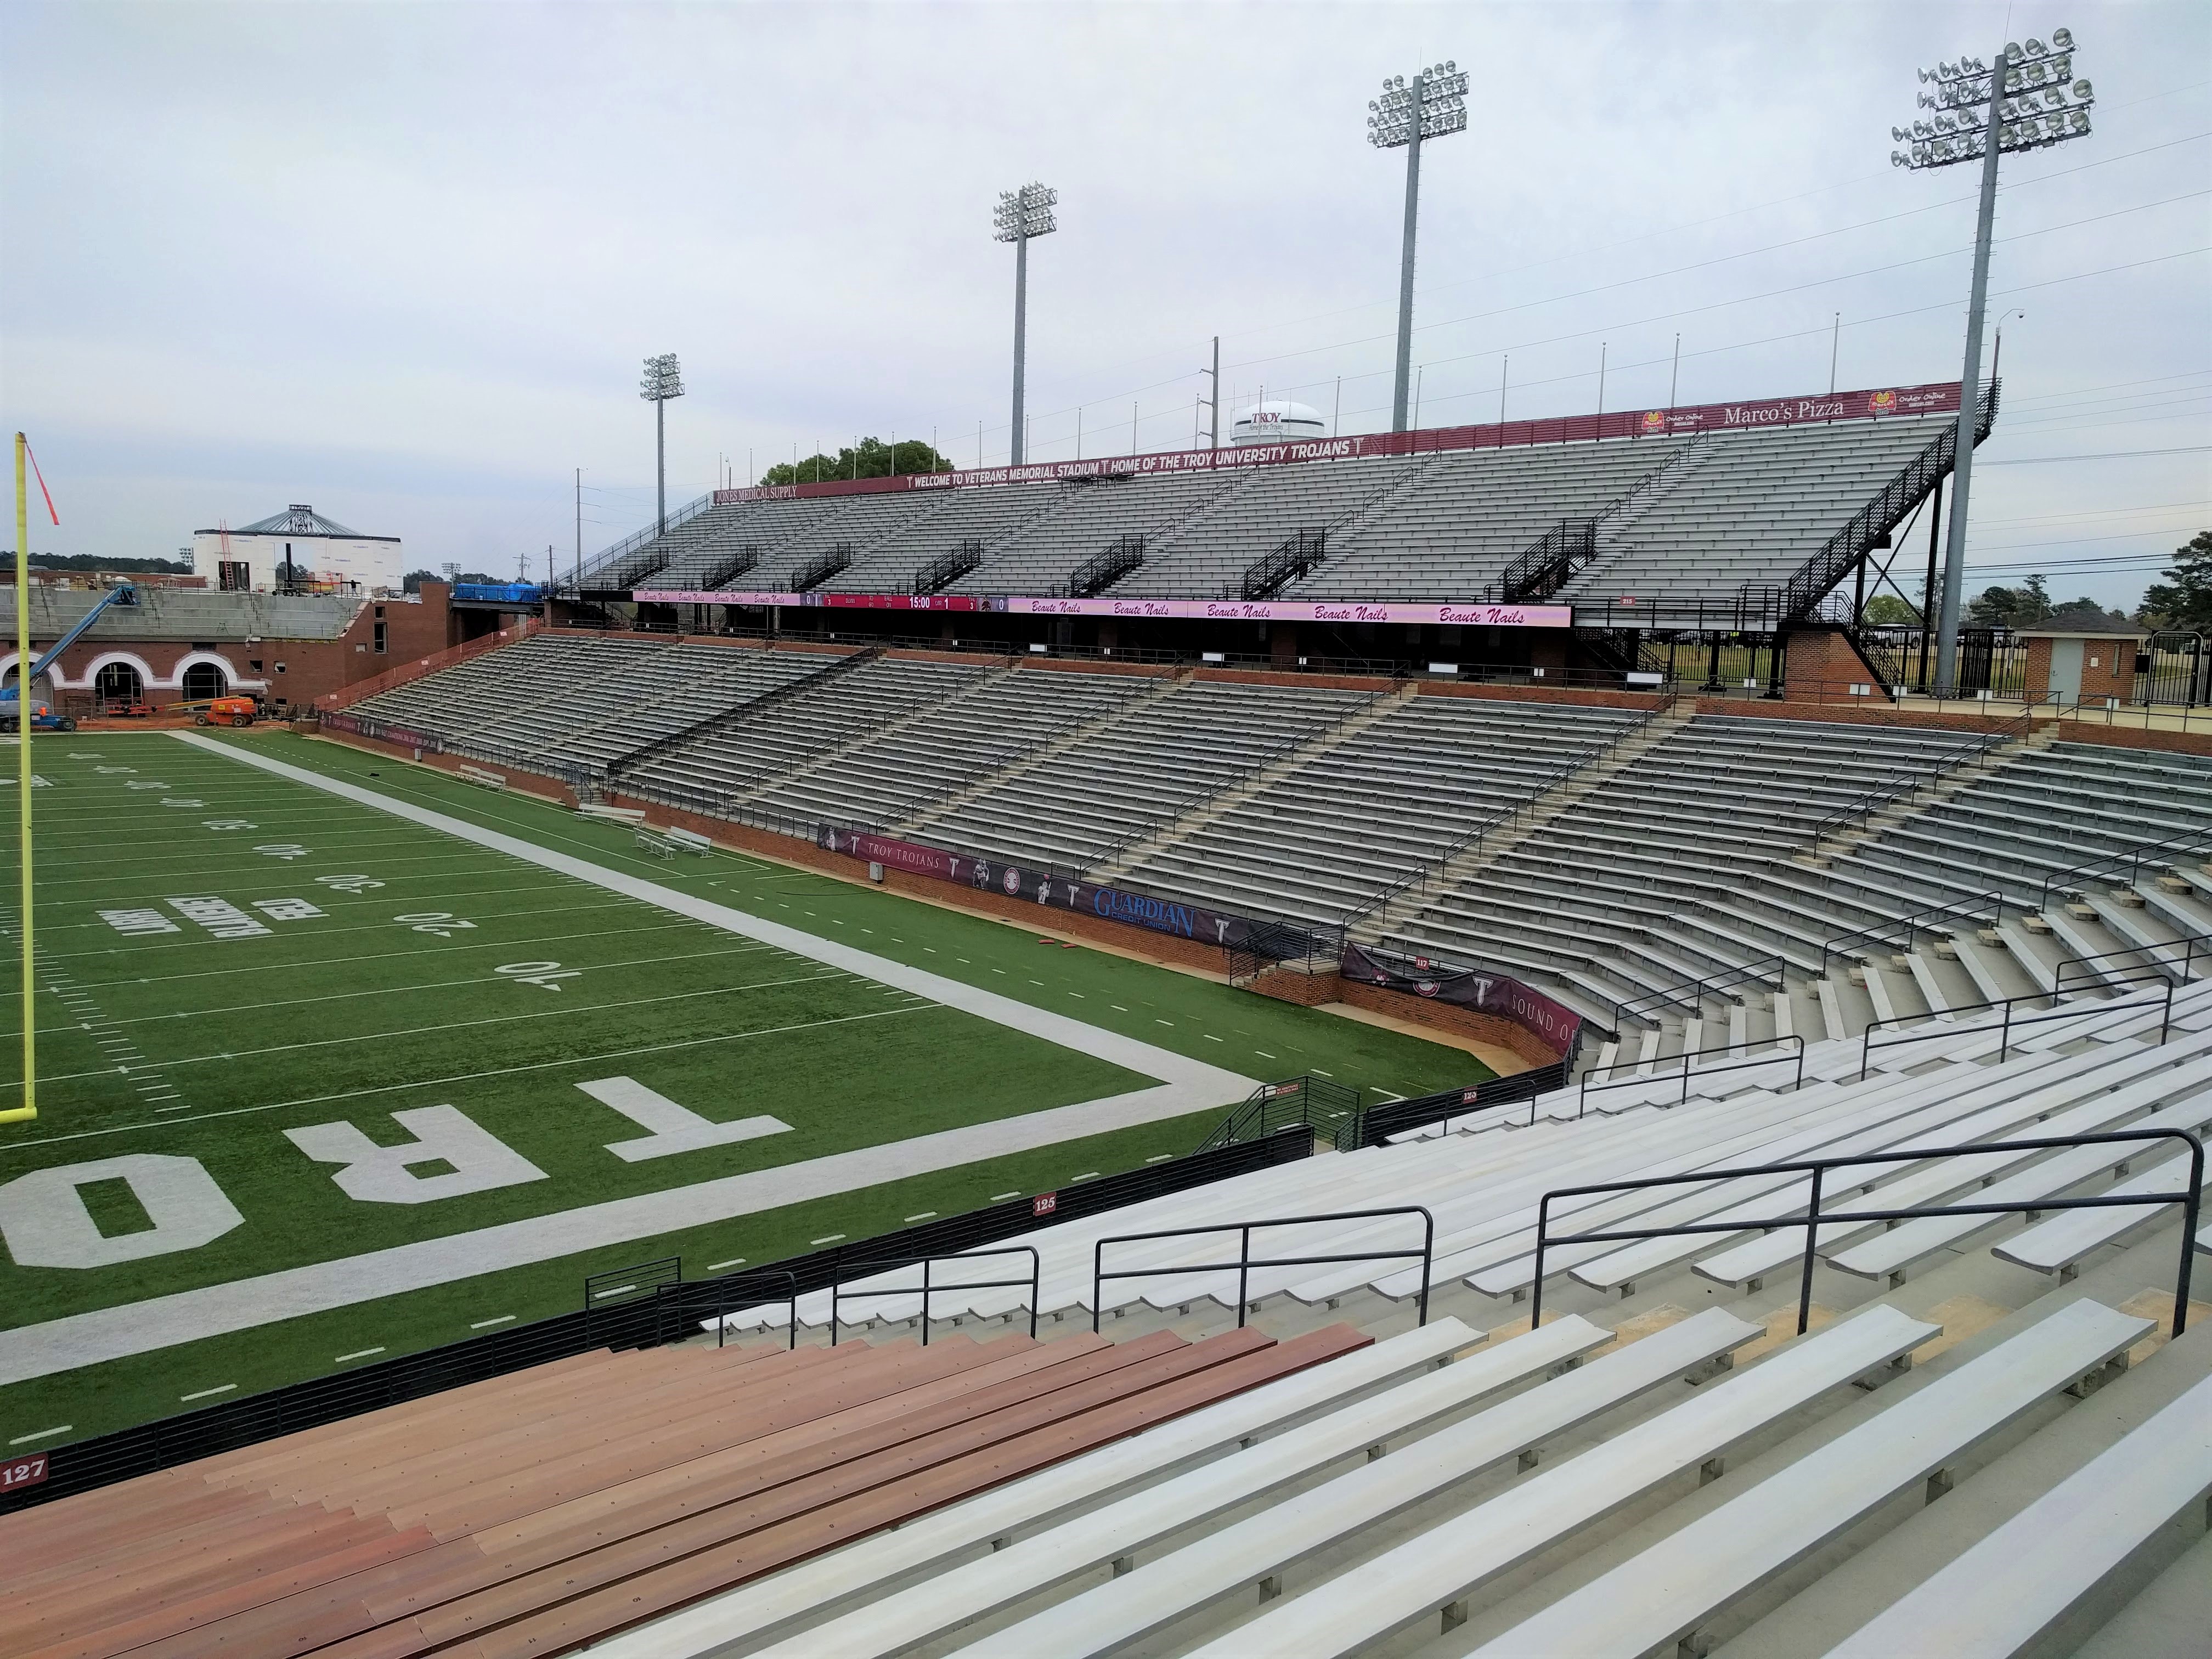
(2135, 737)
(1485, 1028)
(1878, 711)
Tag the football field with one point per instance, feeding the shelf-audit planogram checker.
(340, 1058)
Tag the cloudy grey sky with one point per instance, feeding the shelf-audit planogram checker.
(401, 261)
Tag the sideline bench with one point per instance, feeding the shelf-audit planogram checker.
(477, 774)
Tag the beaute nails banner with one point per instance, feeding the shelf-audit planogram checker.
(1484, 615)
(1557, 1026)
(1873, 404)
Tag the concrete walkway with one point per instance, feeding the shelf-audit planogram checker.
(1187, 1085)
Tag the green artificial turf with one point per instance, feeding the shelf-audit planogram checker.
(185, 1044)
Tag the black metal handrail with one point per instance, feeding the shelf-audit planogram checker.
(1812, 1220)
(940, 573)
(1246, 1261)
(1691, 993)
(1965, 909)
(2189, 942)
(1549, 563)
(1912, 783)
(1936, 1027)
(1101, 570)
(1320, 1104)
(679, 1306)
(2133, 857)
(1581, 1100)
(839, 1295)
(1378, 1123)
(1281, 564)
(1883, 514)
(821, 567)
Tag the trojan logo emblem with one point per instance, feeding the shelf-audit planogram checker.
(1883, 402)
(1013, 882)
(1654, 420)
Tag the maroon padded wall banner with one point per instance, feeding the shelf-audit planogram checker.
(1873, 404)
(1559, 1027)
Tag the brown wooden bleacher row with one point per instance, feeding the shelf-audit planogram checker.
(535, 1513)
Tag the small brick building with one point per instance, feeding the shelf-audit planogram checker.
(2081, 660)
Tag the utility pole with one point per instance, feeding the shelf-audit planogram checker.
(579, 530)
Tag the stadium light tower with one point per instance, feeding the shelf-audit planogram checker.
(1020, 215)
(663, 381)
(2026, 103)
(1434, 106)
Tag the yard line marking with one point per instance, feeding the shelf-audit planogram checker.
(42, 1434)
(427, 985)
(1263, 1053)
(572, 1010)
(830, 1238)
(1209, 1036)
(925, 1216)
(1209, 1084)
(486, 1324)
(717, 1266)
(1117, 1007)
(471, 1077)
(205, 1393)
(1317, 1070)
(361, 1353)
(1000, 1198)
(1162, 1158)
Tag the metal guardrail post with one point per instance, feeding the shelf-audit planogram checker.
(2190, 1198)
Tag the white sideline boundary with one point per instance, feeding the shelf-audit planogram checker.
(1187, 1085)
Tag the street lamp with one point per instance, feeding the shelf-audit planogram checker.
(663, 381)
(1020, 215)
(1434, 106)
(2029, 102)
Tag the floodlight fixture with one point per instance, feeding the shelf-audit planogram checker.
(1403, 118)
(2029, 99)
(1023, 213)
(662, 380)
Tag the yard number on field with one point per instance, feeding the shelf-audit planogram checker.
(228, 823)
(540, 974)
(355, 885)
(441, 923)
(282, 849)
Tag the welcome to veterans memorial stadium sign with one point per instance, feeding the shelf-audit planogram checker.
(1940, 398)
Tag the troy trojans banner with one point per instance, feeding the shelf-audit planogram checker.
(1058, 892)
(1556, 1025)
(1874, 404)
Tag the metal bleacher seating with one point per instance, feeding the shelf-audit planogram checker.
(1316, 844)
(1770, 1505)
(544, 1511)
(1039, 556)
(1124, 777)
(1452, 531)
(1677, 868)
(562, 700)
(996, 721)
(1750, 508)
(736, 758)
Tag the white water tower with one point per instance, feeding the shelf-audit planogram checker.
(1274, 421)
